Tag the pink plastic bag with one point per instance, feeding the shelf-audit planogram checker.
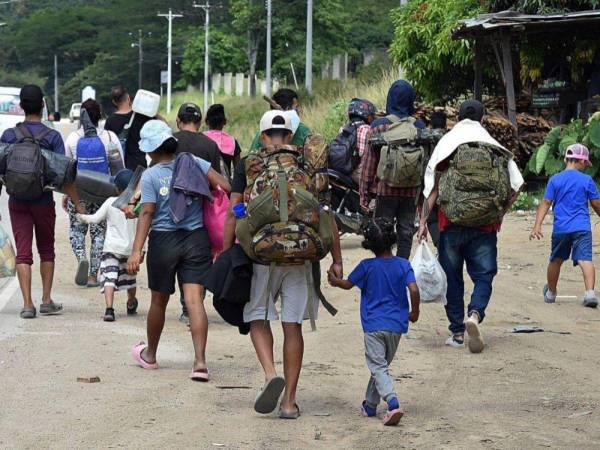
(215, 213)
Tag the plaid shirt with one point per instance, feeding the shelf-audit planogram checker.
(363, 133)
(370, 186)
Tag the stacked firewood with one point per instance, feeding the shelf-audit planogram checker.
(531, 129)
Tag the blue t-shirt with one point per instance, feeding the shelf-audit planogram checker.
(52, 141)
(156, 183)
(570, 192)
(383, 299)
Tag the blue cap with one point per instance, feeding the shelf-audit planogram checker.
(122, 179)
(153, 134)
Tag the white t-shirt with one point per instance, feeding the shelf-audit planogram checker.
(120, 231)
(108, 138)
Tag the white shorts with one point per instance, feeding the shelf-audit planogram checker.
(289, 284)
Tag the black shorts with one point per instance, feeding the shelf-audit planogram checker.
(180, 252)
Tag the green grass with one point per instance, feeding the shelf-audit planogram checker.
(324, 112)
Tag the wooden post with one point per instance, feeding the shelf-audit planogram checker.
(478, 68)
(508, 78)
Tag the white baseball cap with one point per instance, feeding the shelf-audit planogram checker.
(275, 119)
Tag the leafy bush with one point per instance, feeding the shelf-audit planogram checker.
(527, 201)
(548, 159)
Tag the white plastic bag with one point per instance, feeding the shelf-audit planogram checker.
(7, 256)
(430, 276)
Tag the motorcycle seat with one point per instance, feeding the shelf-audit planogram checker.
(344, 179)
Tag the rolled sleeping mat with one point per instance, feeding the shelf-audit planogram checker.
(130, 195)
(94, 187)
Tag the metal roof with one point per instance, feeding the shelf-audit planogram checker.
(486, 23)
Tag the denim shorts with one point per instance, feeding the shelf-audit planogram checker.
(577, 245)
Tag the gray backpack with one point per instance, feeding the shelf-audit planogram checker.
(24, 175)
(401, 159)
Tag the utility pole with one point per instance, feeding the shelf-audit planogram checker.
(170, 18)
(309, 45)
(140, 47)
(268, 69)
(55, 82)
(206, 8)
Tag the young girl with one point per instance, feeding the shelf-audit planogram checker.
(384, 312)
(229, 147)
(118, 243)
(178, 244)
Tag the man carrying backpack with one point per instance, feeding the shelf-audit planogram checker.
(262, 180)
(33, 209)
(393, 166)
(351, 144)
(475, 181)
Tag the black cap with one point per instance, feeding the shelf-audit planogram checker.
(471, 109)
(190, 112)
(31, 93)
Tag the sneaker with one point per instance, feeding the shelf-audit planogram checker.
(184, 318)
(475, 341)
(590, 302)
(81, 276)
(132, 309)
(546, 298)
(457, 341)
(109, 315)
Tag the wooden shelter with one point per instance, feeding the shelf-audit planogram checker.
(500, 30)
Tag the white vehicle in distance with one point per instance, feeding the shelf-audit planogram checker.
(75, 112)
(10, 110)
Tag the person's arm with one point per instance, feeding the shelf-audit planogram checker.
(229, 229)
(337, 266)
(98, 216)
(141, 233)
(71, 192)
(536, 232)
(216, 180)
(428, 206)
(415, 301)
(237, 154)
(338, 282)
(596, 205)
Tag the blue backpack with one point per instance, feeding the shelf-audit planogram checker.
(91, 153)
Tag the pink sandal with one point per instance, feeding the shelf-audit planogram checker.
(202, 375)
(392, 418)
(136, 353)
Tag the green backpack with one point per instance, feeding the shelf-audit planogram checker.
(286, 223)
(401, 159)
(475, 190)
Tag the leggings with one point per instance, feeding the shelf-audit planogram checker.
(78, 231)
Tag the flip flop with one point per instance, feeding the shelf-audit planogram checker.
(81, 276)
(393, 417)
(51, 309)
(289, 415)
(133, 309)
(267, 398)
(136, 353)
(202, 375)
(28, 313)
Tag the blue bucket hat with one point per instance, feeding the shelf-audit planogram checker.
(153, 134)
(122, 178)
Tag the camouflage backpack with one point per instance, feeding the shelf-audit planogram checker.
(475, 189)
(401, 159)
(286, 222)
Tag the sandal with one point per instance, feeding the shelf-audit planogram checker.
(202, 375)
(28, 313)
(267, 398)
(289, 415)
(51, 309)
(136, 353)
(81, 276)
(392, 418)
(132, 310)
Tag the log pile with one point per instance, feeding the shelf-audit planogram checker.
(531, 129)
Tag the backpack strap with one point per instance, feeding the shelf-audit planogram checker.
(311, 294)
(283, 196)
(45, 132)
(266, 296)
(22, 132)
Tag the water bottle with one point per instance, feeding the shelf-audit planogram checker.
(239, 211)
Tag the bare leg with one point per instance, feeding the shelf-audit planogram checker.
(24, 276)
(262, 339)
(589, 274)
(47, 273)
(155, 324)
(553, 274)
(109, 296)
(293, 351)
(194, 295)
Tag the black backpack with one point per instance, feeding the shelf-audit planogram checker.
(343, 151)
(24, 176)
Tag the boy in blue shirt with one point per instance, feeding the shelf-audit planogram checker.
(384, 312)
(570, 192)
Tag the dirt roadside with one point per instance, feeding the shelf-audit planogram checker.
(525, 391)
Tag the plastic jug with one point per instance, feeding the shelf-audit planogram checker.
(146, 103)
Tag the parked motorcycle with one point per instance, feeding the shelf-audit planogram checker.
(345, 203)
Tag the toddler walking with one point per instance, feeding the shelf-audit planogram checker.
(118, 244)
(384, 312)
(570, 192)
